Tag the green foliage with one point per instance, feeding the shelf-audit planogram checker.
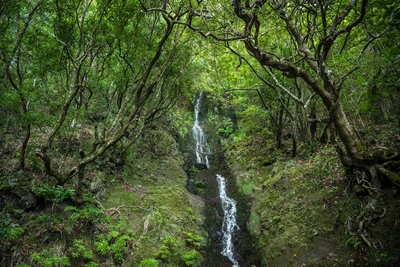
(189, 211)
(163, 253)
(190, 214)
(9, 231)
(168, 249)
(193, 171)
(356, 244)
(183, 120)
(169, 241)
(102, 246)
(225, 129)
(55, 194)
(352, 240)
(311, 147)
(78, 249)
(190, 257)
(112, 234)
(277, 218)
(245, 185)
(239, 137)
(149, 263)
(49, 221)
(115, 244)
(158, 217)
(49, 261)
(16, 233)
(193, 239)
(120, 247)
(89, 212)
(199, 187)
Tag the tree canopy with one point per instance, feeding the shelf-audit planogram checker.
(87, 75)
(323, 48)
(96, 73)
(83, 81)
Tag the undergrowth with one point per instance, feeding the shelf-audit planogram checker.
(123, 221)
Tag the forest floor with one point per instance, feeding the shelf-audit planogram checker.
(137, 214)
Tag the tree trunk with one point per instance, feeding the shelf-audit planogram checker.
(24, 147)
(313, 115)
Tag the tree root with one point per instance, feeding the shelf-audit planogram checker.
(371, 186)
(117, 210)
(392, 176)
(367, 216)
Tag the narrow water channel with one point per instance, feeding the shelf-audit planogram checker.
(229, 225)
(202, 150)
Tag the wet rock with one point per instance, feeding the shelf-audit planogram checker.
(200, 166)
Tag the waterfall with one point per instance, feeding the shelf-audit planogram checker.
(202, 150)
(229, 224)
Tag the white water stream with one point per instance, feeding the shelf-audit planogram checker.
(229, 225)
(202, 148)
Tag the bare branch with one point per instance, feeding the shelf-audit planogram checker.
(283, 88)
(327, 42)
(209, 33)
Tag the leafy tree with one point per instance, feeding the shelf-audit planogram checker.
(319, 45)
(94, 74)
(16, 75)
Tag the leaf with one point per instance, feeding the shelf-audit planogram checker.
(356, 244)
(364, 105)
(70, 208)
(112, 234)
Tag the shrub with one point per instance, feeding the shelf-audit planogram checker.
(55, 194)
(149, 263)
(115, 244)
(190, 257)
(193, 239)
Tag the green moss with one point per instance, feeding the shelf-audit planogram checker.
(254, 224)
(394, 177)
(156, 206)
(295, 203)
(148, 263)
(245, 185)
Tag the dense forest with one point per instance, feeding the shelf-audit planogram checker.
(300, 108)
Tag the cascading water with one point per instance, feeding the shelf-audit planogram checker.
(229, 225)
(202, 149)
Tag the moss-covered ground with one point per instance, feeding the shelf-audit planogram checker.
(155, 204)
(139, 214)
(304, 212)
